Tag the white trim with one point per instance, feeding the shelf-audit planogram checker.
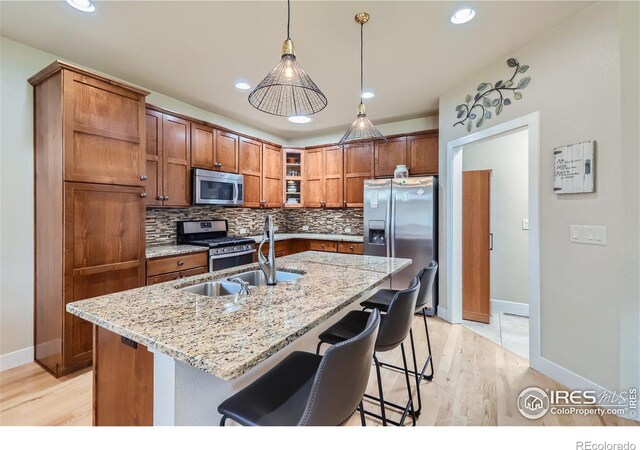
(164, 389)
(509, 307)
(15, 359)
(444, 314)
(572, 380)
(453, 205)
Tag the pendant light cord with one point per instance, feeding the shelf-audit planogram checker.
(288, 18)
(361, 60)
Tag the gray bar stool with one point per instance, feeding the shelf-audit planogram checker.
(307, 389)
(394, 328)
(381, 301)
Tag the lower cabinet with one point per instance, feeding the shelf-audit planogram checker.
(292, 246)
(351, 247)
(122, 381)
(160, 270)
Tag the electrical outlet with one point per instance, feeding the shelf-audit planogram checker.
(347, 230)
(525, 224)
(305, 228)
(243, 231)
(275, 228)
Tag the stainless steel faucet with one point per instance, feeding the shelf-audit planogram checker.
(268, 265)
(244, 285)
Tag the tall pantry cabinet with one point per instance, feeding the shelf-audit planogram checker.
(90, 179)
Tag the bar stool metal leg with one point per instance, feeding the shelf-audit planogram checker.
(415, 372)
(223, 420)
(363, 422)
(383, 415)
(430, 356)
(406, 376)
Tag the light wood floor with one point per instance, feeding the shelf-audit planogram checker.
(476, 383)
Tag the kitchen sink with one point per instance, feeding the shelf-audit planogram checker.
(257, 278)
(214, 288)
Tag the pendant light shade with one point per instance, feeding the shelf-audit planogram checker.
(287, 90)
(362, 130)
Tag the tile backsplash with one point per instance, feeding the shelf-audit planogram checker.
(161, 223)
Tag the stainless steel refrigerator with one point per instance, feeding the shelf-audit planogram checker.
(400, 220)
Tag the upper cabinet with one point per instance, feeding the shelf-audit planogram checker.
(168, 160)
(226, 152)
(272, 176)
(358, 166)
(103, 131)
(323, 186)
(251, 168)
(418, 152)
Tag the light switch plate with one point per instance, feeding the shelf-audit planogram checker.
(525, 224)
(275, 228)
(347, 230)
(243, 231)
(305, 228)
(588, 234)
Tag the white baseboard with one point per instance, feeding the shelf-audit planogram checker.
(15, 359)
(444, 314)
(569, 379)
(510, 307)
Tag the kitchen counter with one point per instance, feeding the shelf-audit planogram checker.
(227, 336)
(161, 251)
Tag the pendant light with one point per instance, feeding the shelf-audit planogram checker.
(287, 90)
(362, 130)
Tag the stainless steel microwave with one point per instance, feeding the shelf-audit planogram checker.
(217, 188)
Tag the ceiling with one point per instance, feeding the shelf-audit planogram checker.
(196, 51)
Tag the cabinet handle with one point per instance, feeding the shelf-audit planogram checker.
(143, 177)
(181, 263)
(351, 247)
(217, 164)
(160, 197)
(344, 204)
(166, 197)
(143, 194)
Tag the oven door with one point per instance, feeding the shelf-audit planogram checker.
(217, 189)
(221, 262)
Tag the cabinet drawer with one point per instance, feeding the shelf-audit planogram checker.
(176, 263)
(351, 247)
(323, 246)
(176, 275)
(279, 247)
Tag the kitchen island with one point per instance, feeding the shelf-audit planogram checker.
(206, 348)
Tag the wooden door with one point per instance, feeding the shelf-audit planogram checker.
(251, 167)
(122, 381)
(422, 154)
(358, 166)
(314, 178)
(103, 132)
(203, 140)
(389, 154)
(154, 157)
(476, 288)
(272, 194)
(176, 136)
(333, 184)
(226, 152)
(104, 253)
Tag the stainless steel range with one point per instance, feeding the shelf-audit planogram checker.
(224, 251)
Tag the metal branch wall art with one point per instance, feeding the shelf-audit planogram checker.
(492, 96)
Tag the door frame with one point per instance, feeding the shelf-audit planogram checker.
(453, 205)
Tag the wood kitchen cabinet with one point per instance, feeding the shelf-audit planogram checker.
(171, 268)
(324, 177)
(418, 152)
(272, 176)
(168, 143)
(358, 166)
(226, 152)
(214, 149)
(251, 168)
(89, 202)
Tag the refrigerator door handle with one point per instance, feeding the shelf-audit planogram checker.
(392, 237)
(387, 226)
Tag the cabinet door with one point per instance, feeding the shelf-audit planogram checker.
(272, 194)
(226, 152)
(358, 166)
(176, 138)
(251, 168)
(154, 157)
(103, 132)
(314, 178)
(202, 146)
(333, 185)
(104, 252)
(422, 151)
(389, 155)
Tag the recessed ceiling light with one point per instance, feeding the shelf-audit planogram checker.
(242, 85)
(299, 119)
(82, 5)
(368, 94)
(463, 15)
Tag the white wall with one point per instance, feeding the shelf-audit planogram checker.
(506, 156)
(575, 87)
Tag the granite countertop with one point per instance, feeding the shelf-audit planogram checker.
(226, 336)
(319, 236)
(160, 251)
